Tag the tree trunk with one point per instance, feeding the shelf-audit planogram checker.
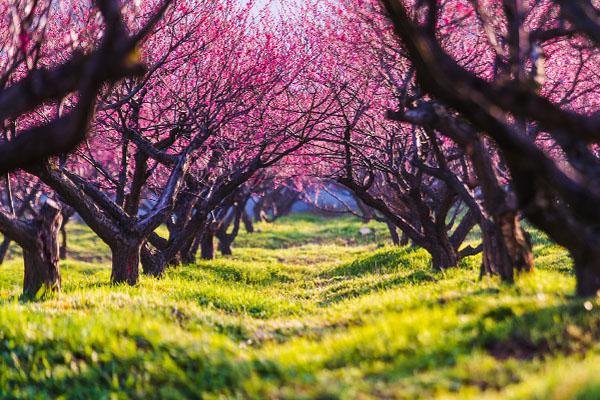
(196, 245)
(63, 244)
(366, 212)
(42, 276)
(41, 258)
(4, 249)
(226, 239)
(225, 245)
(257, 210)
(517, 240)
(394, 234)
(188, 253)
(443, 255)
(587, 271)
(125, 264)
(404, 240)
(495, 258)
(152, 262)
(207, 247)
(248, 225)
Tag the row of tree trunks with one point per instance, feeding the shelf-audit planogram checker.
(275, 203)
(505, 243)
(564, 207)
(432, 234)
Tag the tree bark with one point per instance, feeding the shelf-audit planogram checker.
(188, 253)
(248, 225)
(398, 238)
(225, 245)
(506, 247)
(443, 258)
(257, 209)
(404, 240)
(495, 258)
(67, 212)
(41, 257)
(4, 249)
(152, 263)
(196, 246)
(63, 244)
(233, 216)
(125, 263)
(517, 240)
(394, 234)
(207, 247)
(587, 271)
(40, 273)
(443, 254)
(366, 212)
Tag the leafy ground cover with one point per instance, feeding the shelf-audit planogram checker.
(306, 308)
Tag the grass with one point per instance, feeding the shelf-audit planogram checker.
(306, 308)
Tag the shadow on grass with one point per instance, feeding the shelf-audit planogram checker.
(546, 332)
(382, 261)
(235, 273)
(101, 284)
(154, 370)
(343, 291)
(512, 340)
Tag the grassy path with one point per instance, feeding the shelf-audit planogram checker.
(306, 308)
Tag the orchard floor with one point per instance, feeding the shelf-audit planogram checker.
(306, 308)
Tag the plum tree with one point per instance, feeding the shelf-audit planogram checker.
(534, 92)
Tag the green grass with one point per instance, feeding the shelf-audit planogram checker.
(306, 308)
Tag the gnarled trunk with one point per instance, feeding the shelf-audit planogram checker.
(495, 258)
(506, 247)
(517, 240)
(42, 275)
(152, 262)
(366, 212)
(226, 239)
(257, 210)
(41, 256)
(443, 255)
(125, 263)
(188, 253)
(443, 258)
